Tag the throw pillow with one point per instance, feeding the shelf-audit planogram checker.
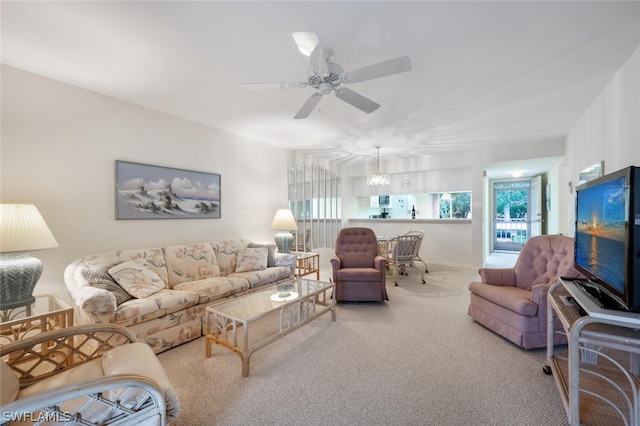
(137, 280)
(271, 256)
(100, 278)
(252, 259)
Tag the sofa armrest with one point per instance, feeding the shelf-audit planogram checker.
(94, 300)
(498, 276)
(288, 260)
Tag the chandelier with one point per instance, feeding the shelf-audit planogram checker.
(378, 178)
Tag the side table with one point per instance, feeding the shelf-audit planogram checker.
(47, 313)
(307, 264)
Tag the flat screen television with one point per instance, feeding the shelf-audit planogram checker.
(607, 239)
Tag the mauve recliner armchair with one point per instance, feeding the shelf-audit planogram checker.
(358, 271)
(513, 301)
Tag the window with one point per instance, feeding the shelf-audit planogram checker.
(452, 205)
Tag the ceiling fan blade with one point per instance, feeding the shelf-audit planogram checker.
(306, 42)
(276, 86)
(381, 69)
(357, 100)
(309, 105)
(319, 61)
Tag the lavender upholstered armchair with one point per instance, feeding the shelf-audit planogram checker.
(513, 301)
(358, 271)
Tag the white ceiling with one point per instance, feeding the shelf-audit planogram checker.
(483, 73)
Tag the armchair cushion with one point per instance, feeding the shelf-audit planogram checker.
(138, 358)
(90, 370)
(358, 274)
(10, 384)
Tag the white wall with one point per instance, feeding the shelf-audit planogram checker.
(456, 171)
(609, 130)
(58, 149)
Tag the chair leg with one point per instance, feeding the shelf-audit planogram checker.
(426, 268)
(421, 273)
(395, 274)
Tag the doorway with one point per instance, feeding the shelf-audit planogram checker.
(517, 211)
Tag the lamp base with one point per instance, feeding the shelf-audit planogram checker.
(283, 241)
(19, 274)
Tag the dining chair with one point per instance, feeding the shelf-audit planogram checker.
(402, 251)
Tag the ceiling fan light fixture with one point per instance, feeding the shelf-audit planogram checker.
(306, 42)
(378, 178)
(326, 76)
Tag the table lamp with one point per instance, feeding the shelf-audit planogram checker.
(284, 221)
(22, 229)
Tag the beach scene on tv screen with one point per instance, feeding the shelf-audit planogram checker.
(600, 231)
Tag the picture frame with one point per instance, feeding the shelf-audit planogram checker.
(145, 191)
(594, 171)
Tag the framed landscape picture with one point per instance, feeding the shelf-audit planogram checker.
(145, 191)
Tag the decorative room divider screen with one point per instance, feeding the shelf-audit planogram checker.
(314, 199)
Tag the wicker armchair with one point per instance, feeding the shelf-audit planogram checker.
(88, 374)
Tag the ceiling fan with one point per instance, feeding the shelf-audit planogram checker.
(326, 76)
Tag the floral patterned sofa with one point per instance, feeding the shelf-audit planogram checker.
(161, 293)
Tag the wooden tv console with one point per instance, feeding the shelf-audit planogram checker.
(595, 385)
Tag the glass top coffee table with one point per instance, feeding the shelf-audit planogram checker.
(248, 323)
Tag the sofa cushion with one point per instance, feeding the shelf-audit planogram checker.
(513, 298)
(265, 276)
(252, 259)
(100, 278)
(163, 302)
(227, 253)
(214, 288)
(137, 280)
(271, 256)
(10, 384)
(190, 262)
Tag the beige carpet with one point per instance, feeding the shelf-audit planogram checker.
(415, 360)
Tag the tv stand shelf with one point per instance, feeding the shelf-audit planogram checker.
(595, 385)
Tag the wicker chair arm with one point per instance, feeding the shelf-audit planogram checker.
(126, 399)
(46, 354)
